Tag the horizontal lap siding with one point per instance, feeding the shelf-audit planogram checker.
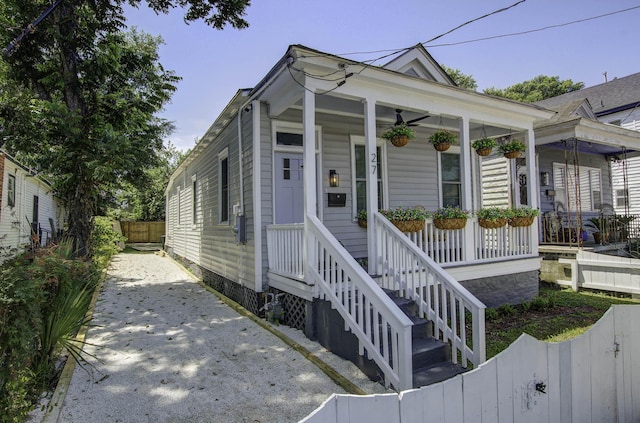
(209, 243)
(548, 156)
(496, 181)
(411, 172)
(265, 208)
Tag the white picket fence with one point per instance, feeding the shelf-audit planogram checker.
(603, 272)
(592, 378)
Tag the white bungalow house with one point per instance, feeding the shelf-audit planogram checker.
(266, 203)
(29, 212)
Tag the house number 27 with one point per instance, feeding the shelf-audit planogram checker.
(374, 163)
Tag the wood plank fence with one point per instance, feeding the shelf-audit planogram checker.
(592, 378)
(143, 231)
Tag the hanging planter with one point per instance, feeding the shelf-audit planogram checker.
(523, 216)
(362, 219)
(409, 219)
(450, 218)
(493, 217)
(484, 146)
(442, 140)
(399, 135)
(512, 149)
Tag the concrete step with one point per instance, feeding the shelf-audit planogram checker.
(428, 351)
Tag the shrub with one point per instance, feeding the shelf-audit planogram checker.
(491, 314)
(105, 241)
(507, 309)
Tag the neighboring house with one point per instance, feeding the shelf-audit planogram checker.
(28, 208)
(266, 203)
(616, 102)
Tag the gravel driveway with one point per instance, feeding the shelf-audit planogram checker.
(168, 350)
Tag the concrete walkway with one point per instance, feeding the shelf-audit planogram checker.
(168, 350)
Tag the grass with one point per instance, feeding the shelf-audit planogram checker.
(556, 315)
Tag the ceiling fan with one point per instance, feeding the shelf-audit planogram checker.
(411, 122)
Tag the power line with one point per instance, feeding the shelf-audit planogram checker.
(535, 30)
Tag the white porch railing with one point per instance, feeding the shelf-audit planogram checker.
(508, 241)
(405, 268)
(284, 249)
(446, 247)
(443, 246)
(380, 326)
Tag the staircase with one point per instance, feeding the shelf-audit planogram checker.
(430, 356)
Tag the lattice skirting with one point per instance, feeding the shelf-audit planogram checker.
(294, 309)
(242, 295)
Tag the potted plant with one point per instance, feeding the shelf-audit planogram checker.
(442, 139)
(450, 218)
(493, 217)
(522, 216)
(362, 218)
(399, 135)
(484, 146)
(597, 225)
(511, 149)
(409, 219)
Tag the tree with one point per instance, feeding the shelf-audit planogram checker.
(85, 94)
(462, 80)
(536, 89)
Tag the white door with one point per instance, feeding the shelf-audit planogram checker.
(289, 188)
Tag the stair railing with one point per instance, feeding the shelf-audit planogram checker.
(441, 299)
(382, 329)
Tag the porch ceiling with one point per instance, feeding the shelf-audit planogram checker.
(592, 148)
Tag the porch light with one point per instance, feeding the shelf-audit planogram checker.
(334, 179)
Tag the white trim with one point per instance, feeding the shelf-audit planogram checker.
(454, 149)
(295, 128)
(224, 155)
(360, 140)
(257, 196)
(494, 268)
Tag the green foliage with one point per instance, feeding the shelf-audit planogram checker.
(484, 143)
(462, 80)
(506, 310)
(443, 136)
(450, 212)
(105, 241)
(405, 213)
(524, 211)
(511, 146)
(491, 314)
(539, 88)
(43, 301)
(398, 130)
(493, 213)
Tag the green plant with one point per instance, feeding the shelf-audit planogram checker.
(406, 213)
(442, 136)
(397, 131)
(512, 146)
(507, 310)
(485, 142)
(524, 211)
(450, 213)
(595, 223)
(361, 215)
(493, 213)
(105, 241)
(491, 314)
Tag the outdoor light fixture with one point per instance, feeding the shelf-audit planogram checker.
(544, 178)
(334, 179)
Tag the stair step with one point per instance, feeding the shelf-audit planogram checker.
(421, 328)
(436, 373)
(428, 351)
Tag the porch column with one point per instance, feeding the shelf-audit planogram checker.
(532, 185)
(309, 175)
(467, 184)
(372, 182)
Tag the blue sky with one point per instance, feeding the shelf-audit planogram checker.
(215, 64)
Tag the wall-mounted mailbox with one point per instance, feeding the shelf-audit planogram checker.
(337, 199)
(551, 193)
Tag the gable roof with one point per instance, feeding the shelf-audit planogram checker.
(606, 98)
(417, 61)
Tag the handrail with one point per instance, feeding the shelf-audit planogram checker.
(382, 329)
(284, 249)
(441, 299)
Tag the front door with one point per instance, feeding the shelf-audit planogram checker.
(289, 188)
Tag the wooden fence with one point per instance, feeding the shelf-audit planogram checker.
(592, 378)
(143, 231)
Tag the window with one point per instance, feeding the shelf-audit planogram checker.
(622, 197)
(194, 200)
(223, 178)
(360, 174)
(451, 180)
(11, 191)
(289, 139)
(579, 185)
